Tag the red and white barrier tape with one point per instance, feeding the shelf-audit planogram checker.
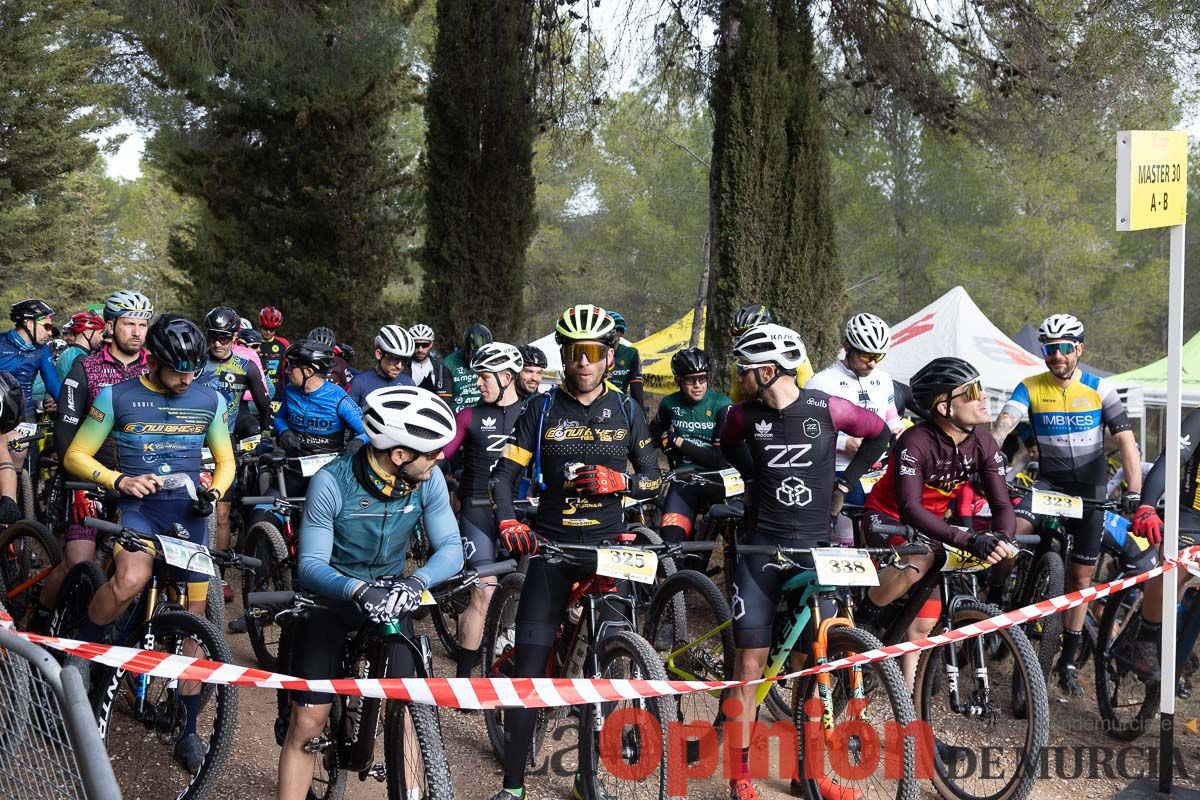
(543, 692)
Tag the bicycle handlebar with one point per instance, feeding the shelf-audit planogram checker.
(770, 550)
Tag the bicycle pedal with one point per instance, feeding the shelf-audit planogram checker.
(317, 744)
(377, 771)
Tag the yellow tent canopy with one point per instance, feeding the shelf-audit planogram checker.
(656, 351)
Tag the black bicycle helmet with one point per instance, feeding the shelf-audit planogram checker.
(476, 336)
(534, 357)
(748, 316)
(323, 335)
(347, 352)
(249, 336)
(29, 310)
(311, 353)
(223, 319)
(937, 378)
(12, 402)
(177, 343)
(690, 361)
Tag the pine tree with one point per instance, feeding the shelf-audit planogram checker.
(479, 169)
(772, 218)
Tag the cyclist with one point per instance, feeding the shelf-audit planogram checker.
(12, 409)
(158, 423)
(458, 363)
(127, 317)
(1068, 408)
(248, 345)
(393, 349)
(87, 329)
(856, 377)
(482, 433)
(929, 463)
(783, 440)
(582, 422)
(25, 354)
(360, 513)
(686, 427)
(338, 372)
(346, 351)
(1141, 652)
(530, 379)
(626, 373)
(744, 319)
(273, 348)
(426, 369)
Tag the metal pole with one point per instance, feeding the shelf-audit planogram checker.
(1171, 512)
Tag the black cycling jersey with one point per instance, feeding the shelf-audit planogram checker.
(788, 457)
(439, 381)
(482, 433)
(611, 432)
(1189, 491)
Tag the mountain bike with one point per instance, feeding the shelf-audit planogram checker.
(140, 717)
(588, 646)
(1003, 697)
(414, 763)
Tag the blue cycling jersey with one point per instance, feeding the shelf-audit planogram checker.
(363, 383)
(23, 361)
(350, 534)
(319, 417)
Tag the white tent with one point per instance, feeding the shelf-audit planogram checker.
(953, 325)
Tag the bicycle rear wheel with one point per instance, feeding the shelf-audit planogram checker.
(1015, 736)
(414, 753)
(848, 755)
(1127, 702)
(76, 594)
(264, 542)
(498, 650)
(141, 717)
(28, 554)
(625, 655)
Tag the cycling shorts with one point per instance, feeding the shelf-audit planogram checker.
(321, 634)
(931, 604)
(756, 591)
(1087, 533)
(544, 602)
(159, 516)
(682, 503)
(477, 525)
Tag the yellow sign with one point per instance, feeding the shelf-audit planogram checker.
(1151, 179)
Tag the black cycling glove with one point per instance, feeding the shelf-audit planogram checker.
(289, 440)
(981, 545)
(202, 506)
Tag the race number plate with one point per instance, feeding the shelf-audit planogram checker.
(275, 406)
(251, 444)
(840, 566)
(627, 563)
(186, 555)
(23, 430)
(734, 485)
(427, 598)
(1054, 504)
(868, 481)
(310, 465)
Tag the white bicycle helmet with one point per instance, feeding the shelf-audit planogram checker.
(497, 357)
(1060, 326)
(421, 332)
(126, 303)
(395, 340)
(770, 344)
(245, 323)
(867, 333)
(407, 416)
(586, 322)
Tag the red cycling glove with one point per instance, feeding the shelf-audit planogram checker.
(516, 538)
(1147, 524)
(595, 479)
(84, 506)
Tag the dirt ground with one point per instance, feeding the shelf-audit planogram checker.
(1079, 751)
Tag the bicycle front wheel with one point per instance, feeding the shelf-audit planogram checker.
(1127, 701)
(1012, 725)
(863, 751)
(414, 754)
(264, 542)
(28, 554)
(638, 746)
(141, 717)
(498, 650)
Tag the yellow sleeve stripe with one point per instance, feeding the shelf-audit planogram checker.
(518, 454)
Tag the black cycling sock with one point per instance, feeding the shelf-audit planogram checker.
(518, 736)
(672, 534)
(90, 631)
(1070, 646)
(1150, 632)
(866, 611)
(191, 704)
(467, 659)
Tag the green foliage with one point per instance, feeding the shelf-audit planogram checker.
(773, 230)
(281, 119)
(479, 167)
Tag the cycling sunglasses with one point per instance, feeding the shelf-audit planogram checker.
(742, 369)
(869, 358)
(223, 338)
(422, 345)
(594, 351)
(1066, 348)
(693, 380)
(972, 391)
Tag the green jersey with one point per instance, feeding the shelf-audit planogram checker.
(627, 368)
(697, 423)
(466, 387)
